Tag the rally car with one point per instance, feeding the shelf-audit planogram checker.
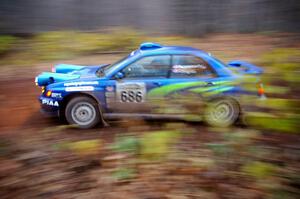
(154, 81)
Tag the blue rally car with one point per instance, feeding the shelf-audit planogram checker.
(151, 82)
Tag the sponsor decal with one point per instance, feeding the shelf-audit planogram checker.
(110, 94)
(80, 88)
(81, 83)
(187, 69)
(109, 88)
(49, 102)
(110, 99)
(131, 92)
(56, 95)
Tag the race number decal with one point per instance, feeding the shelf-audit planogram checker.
(131, 92)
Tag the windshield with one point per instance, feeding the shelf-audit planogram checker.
(104, 70)
(81, 71)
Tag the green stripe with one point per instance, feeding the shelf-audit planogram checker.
(165, 90)
(219, 90)
(203, 89)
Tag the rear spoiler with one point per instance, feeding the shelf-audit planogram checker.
(244, 67)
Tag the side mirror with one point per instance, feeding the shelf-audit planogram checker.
(119, 75)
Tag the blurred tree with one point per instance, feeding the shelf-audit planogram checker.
(191, 17)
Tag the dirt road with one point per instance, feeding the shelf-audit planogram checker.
(35, 164)
(19, 107)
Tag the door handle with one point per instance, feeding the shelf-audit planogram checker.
(157, 83)
(209, 84)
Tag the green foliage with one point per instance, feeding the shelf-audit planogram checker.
(282, 64)
(219, 148)
(277, 103)
(150, 145)
(278, 123)
(83, 147)
(240, 137)
(66, 44)
(54, 45)
(233, 142)
(6, 43)
(259, 170)
(281, 55)
(57, 45)
(282, 84)
(157, 144)
(126, 144)
(124, 174)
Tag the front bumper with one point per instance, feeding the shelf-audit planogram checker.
(49, 106)
(49, 113)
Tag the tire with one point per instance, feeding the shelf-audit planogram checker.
(222, 112)
(83, 112)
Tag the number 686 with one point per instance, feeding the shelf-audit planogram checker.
(131, 96)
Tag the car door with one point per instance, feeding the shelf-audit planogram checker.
(190, 79)
(138, 78)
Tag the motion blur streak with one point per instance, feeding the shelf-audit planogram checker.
(135, 158)
(191, 17)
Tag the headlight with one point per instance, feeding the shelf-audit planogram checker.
(48, 93)
(36, 81)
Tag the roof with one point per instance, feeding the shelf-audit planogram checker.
(150, 48)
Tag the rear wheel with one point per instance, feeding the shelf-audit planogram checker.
(222, 112)
(82, 111)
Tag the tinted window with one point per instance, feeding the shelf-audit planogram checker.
(190, 66)
(152, 66)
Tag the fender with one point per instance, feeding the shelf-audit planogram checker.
(88, 94)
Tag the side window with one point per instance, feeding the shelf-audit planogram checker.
(190, 66)
(152, 66)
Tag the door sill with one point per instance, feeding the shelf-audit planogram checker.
(143, 116)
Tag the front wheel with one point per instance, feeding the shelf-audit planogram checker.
(83, 112)
(222, 112)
